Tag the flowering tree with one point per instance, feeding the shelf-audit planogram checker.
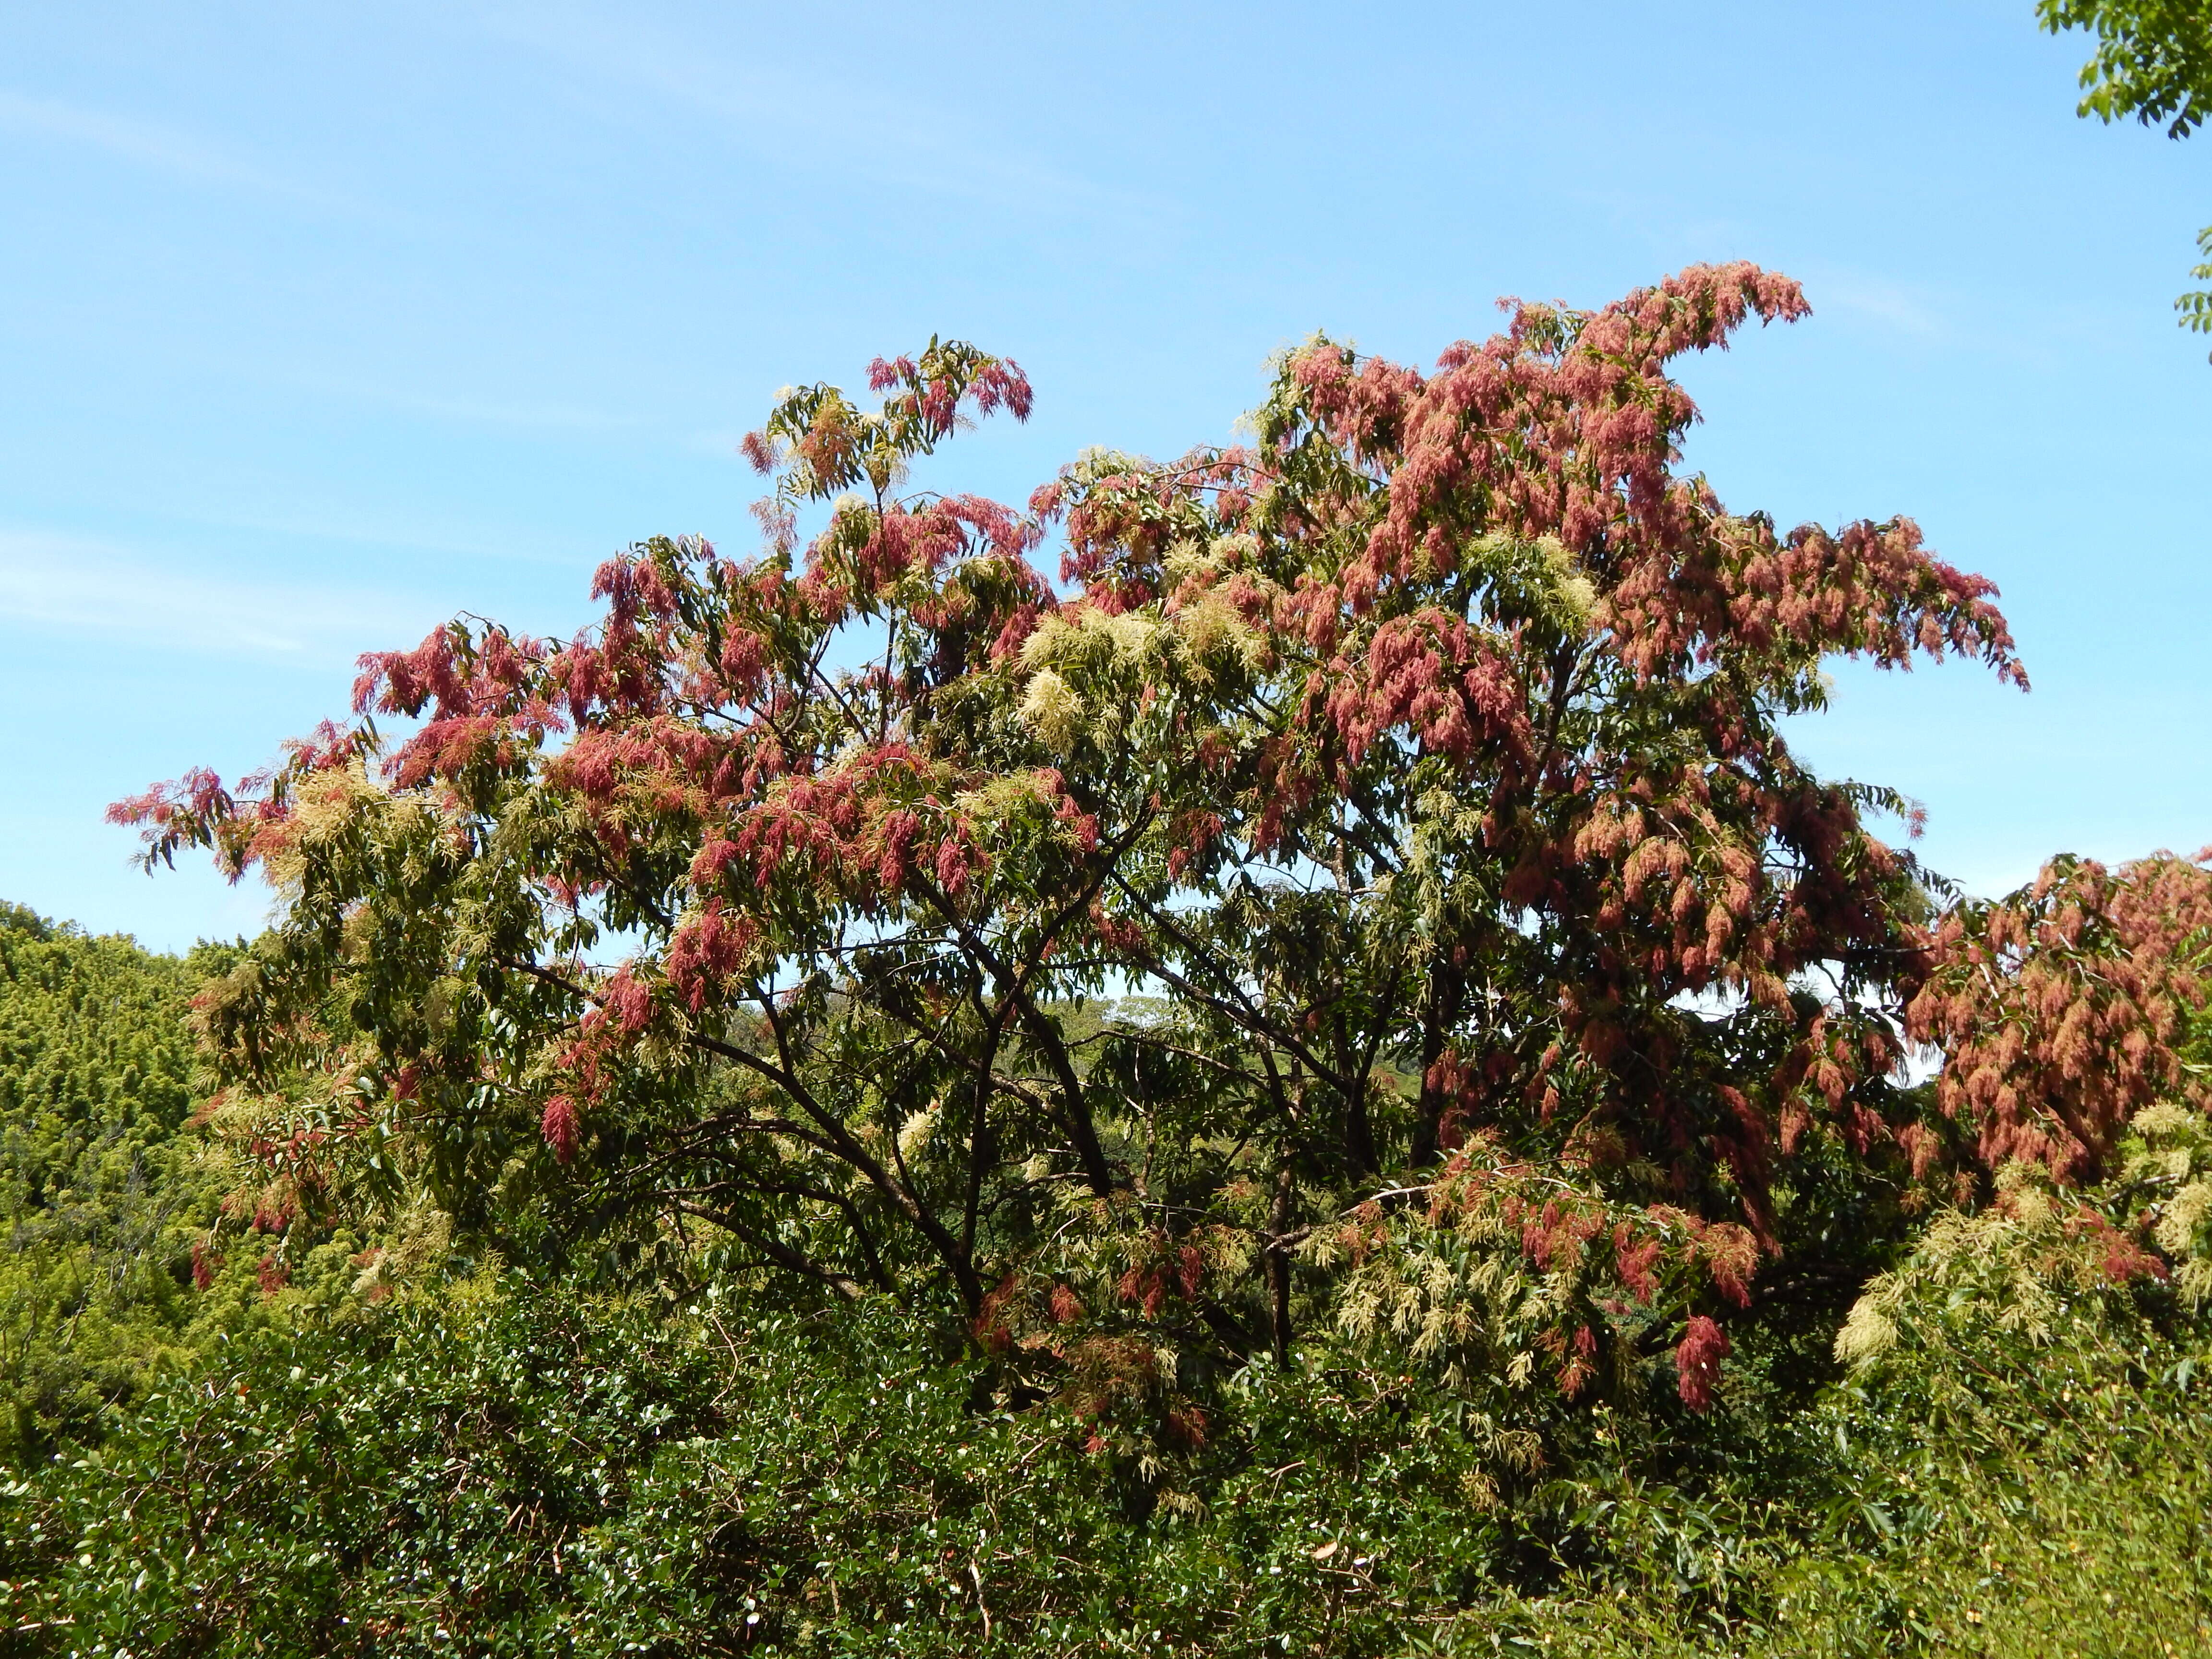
(2067, 1008)
(1378, 848)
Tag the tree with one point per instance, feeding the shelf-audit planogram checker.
(2153, 61)
(2068, 1007)
(1382, 840)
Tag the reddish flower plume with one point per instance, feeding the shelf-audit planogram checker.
(1698, 1359)
(562, 1124)
(2061, 1009)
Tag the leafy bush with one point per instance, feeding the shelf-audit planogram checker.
(499, 1469)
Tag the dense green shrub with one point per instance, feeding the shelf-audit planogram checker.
(518, 1472)
(507, 1468)
(2011, 1458)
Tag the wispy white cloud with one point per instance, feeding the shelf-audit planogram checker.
(174, 150)
(1891, 304)
(801, 118)
(348, 524)
(718, 442)
(524, 415)
(77, 588)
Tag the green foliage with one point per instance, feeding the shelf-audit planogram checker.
(328, 1492)
(100, 1200)
(2153, 61)
(118, 1264)
(2025, 1422)
(523, 1473)
(2195, 308)
(499, 1469)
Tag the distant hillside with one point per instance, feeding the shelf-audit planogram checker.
(99, 1199)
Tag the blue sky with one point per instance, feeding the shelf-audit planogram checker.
(320, 323)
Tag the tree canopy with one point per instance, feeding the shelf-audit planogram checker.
(1395, 806)
(1322, 1078)
(2153, 61)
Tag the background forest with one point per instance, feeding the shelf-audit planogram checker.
(1319, 1077)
